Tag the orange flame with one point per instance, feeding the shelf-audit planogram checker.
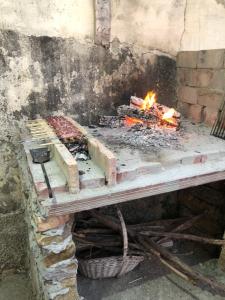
(149, 100)
(129, 121)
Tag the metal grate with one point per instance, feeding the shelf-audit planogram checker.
(218, 128)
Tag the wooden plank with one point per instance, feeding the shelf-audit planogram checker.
(103, 158)
(102, 22)
(68, 165)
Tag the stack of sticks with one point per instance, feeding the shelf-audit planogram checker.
(100, 235)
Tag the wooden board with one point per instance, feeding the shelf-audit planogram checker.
(68, 165)
(103, 158)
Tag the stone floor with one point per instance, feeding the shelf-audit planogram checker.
(15, 287)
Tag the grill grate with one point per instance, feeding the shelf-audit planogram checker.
(218, 128)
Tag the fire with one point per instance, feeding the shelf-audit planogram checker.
(168, 116)
(129, 121)
(149, 100)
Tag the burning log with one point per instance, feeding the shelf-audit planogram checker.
(150, 107)
(134, 115)
(162, 109)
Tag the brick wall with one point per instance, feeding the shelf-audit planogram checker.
(201, 84)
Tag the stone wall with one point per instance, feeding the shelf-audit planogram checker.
(201, 84)
(13, 230)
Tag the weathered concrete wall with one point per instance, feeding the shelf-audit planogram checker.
(43, 74)
(13, 231)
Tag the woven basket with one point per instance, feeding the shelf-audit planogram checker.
(113, 266)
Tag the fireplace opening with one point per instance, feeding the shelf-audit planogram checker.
(178, 217)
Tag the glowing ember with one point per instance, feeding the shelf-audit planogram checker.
(149, 100)
(169, 114)
(129, 121)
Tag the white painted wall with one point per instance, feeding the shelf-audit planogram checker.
(65, 18)
(204, 25)
(150, 24)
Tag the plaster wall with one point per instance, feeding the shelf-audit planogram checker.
(168, 26)
(204, 22)
(70, 18)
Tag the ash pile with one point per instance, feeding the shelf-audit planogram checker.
(144, 124)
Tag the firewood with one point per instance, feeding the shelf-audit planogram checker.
(186, 225)
(138, 102)
(188, 272)
(165, 223)
(165, 256)
(93, 230)
(106, 243)
(148, 117)
(125, 110)
(183, 236)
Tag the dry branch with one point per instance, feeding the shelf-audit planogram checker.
(176, 263)
(182, 236)
(168, 259)
(186, 225)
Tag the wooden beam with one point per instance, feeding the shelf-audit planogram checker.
(102, 22)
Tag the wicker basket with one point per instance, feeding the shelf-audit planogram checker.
(113, 266)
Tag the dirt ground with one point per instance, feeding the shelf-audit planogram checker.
(15, 287)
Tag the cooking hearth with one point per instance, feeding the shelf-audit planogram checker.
(96, 166)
